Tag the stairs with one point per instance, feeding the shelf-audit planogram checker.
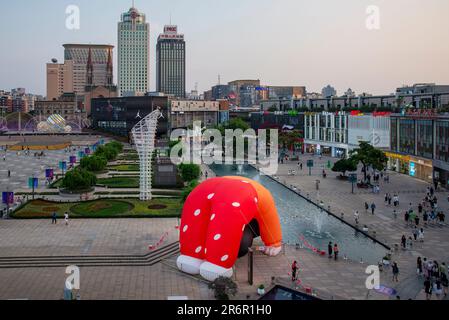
(149, 259)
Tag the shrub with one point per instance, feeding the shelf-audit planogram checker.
(188, 190)
(190, 172)
(115, 145)
(79, 179)
(345, 165)
(107, 152)
(93, 163)
(223, 288)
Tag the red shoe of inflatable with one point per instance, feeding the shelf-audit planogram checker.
(220, 219)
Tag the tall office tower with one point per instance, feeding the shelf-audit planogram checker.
(133, 53)
(79, 54)
(171, 62)
(59, 78)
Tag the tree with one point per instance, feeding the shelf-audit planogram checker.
(188, 190)
(79, 179)
(108, 152)
(115, 145)
(189, 172)
(93, 163)
(234, 124)
(223, 288)
(288, 139)
(368, 156)
(344, 165)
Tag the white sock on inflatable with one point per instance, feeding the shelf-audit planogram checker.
(189, 264)
(211, 272)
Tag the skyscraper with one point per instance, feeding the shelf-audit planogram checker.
(133, 53)
(171, 62)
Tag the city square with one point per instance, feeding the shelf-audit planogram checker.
(227, 159)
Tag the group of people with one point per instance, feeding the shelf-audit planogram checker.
(389, 199)
(333, 250)
(435, 277)
(54, 218)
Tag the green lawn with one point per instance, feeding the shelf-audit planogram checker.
(103, 208)
(128, 156)
(119, 182)
(125, 168)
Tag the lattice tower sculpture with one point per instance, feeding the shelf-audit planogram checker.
(144, 135)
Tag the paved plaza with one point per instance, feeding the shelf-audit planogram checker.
(337, 194)
(338, 280)
(328, 278)
(22, 165)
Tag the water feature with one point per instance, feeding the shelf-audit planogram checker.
(300, 218)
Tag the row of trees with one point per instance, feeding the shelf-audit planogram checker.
(83, 177)
(365, 154)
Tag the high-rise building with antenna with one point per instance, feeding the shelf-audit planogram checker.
(133, 53)
(171, 62)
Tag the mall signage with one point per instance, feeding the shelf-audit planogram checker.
(422, 113)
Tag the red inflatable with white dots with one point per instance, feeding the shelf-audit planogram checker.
(216, 217)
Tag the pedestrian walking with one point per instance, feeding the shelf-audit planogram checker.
(395, 269)
(428, 288)
(421, 235)
(403, 242)
(336, 251)
(419, 266)
(415, 233)
(66, 218)
(294, 270)
(373, 208)
(356, 217)
(366, 207)
(54, 218)
(330, 250)
(425, 218)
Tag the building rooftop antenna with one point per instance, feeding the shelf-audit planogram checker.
(219, 80)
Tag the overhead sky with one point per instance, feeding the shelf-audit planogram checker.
(280, 42)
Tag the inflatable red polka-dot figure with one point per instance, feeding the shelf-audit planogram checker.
(219, 221)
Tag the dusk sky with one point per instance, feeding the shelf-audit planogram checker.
(280, 42)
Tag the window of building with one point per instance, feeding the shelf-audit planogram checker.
(394, 134)
(407, 136)
(442, 141)
(425, 138)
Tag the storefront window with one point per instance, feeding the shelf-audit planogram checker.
(407, 136)
(394, 134)
(425, 141)
(442, 141)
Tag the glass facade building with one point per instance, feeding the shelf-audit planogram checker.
(171, 63)
(420, 146)
(120, 115)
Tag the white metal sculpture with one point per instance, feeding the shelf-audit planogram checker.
(144, 135)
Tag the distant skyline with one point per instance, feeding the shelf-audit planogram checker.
(281, 42)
